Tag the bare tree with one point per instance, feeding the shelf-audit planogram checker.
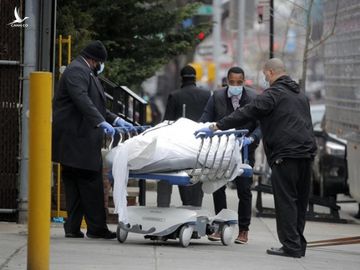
(288, 24)
(310, 45)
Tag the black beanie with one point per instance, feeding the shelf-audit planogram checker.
(188, 72)
(95, 50)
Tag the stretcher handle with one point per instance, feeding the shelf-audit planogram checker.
(111, 142)
(138, 129)
(237, 133)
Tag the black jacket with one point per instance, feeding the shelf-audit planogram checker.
(78, 108)
(194, 99)
(285, 120)
(219, 106)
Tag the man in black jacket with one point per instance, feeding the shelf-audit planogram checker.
(80, 119)
(188, 101)
(289, 143)
(222, 103)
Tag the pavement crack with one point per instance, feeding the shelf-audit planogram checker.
(12, 256)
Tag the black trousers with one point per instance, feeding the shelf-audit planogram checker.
(243, 187)
(190, 195)
(84, 198)
(291, 184)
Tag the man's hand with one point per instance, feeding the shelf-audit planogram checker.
(206, 132)
(248, 141)
(124, 124)
(108, 129)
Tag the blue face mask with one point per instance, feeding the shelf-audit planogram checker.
(235, 90)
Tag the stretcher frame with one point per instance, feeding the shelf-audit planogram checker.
(189, 223)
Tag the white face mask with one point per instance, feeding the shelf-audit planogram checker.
(235, 90)
(264, 82)
(101, 69)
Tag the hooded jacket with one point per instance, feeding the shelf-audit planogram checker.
(285, 121)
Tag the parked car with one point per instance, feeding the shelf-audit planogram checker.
(329, 176)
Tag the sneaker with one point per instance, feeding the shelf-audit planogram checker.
(242, 237)
(214, 237)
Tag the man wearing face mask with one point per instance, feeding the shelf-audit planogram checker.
(289, 143)
(80, 120)
(222, 103)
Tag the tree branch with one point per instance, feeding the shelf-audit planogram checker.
(322, 40)
(287, 32)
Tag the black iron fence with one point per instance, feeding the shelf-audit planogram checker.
(10, 108)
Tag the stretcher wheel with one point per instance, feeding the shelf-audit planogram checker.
(121, 234)
(185, 235)
(227, 234)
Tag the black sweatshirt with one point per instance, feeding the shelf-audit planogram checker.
(285, 120)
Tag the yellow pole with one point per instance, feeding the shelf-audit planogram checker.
(39, 171)
(60, 53)
(69, 49)
(58, 190)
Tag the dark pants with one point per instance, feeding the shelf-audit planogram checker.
(190, 195)
(291, 184)
(84, 198)
(243, 187)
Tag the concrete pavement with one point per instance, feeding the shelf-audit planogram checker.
(140, 253)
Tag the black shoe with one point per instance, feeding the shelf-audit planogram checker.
(107, 235)
(282, 252)
(74, 235)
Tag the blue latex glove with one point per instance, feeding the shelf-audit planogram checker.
(207, 132)
(110, 177)
(108, 129)
(248, 141)
(124, 124)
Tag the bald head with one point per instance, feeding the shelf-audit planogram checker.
(275, 64)
(273, 69)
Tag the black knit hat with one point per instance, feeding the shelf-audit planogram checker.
(95, 50)
(188, 72)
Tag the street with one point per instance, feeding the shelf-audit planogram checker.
(140, 253)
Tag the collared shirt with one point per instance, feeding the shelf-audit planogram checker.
(235, 100)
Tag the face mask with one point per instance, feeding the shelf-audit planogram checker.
(235, 90)
(99, 68)
(264, 82)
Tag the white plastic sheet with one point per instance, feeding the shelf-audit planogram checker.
(169, 147)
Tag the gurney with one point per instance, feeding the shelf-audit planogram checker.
(185, 223)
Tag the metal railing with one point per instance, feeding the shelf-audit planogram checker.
(130, 106)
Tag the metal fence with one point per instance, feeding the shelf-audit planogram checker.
(342, 82)
(342, 69)
(10, 106)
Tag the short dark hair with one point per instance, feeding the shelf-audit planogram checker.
(237, 70)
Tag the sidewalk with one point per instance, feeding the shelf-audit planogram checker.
(140, 253)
